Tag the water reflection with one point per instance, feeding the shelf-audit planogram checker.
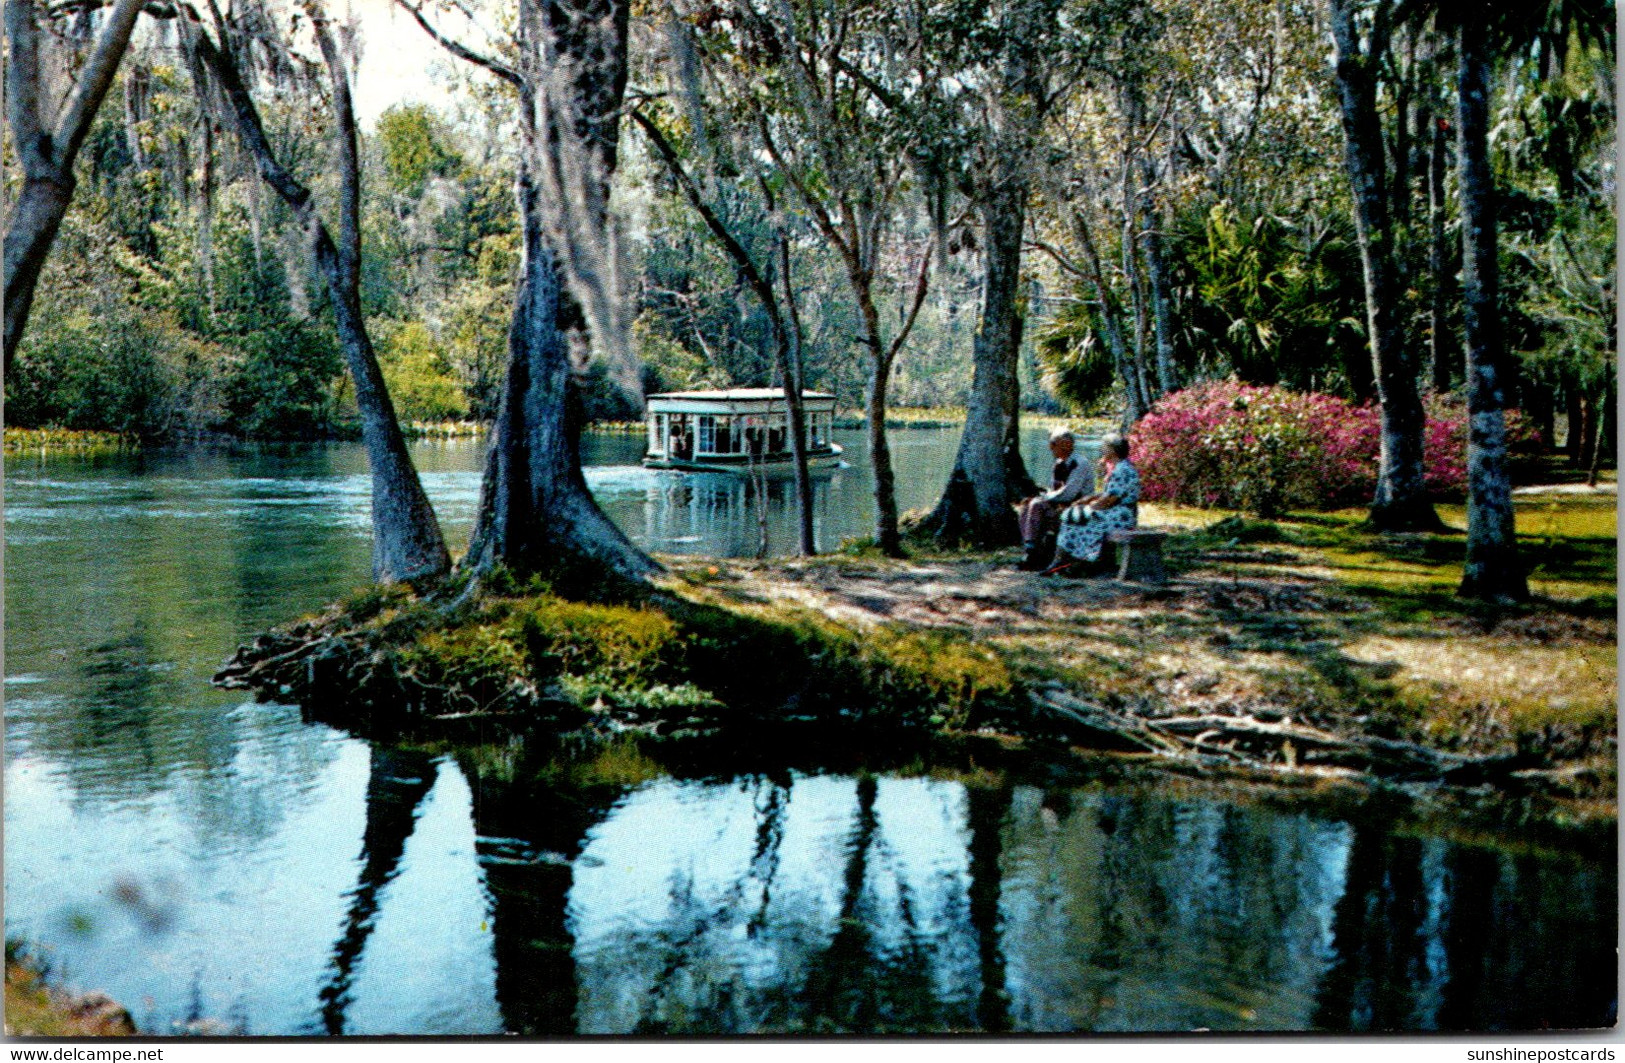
(832, 903)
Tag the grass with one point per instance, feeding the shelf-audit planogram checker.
(1391, 637)
(36, 1009)
(25, 440)
(1312, 616)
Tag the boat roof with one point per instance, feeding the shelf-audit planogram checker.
(737, 395)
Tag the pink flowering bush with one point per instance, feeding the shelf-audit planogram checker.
(1268, 449)
(1444, 443)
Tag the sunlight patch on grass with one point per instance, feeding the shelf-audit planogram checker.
(1523, 688)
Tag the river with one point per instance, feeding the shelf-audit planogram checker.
(223, 866)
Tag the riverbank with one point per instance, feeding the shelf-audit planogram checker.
(64, 440)
(1306, 653)
(36, 1009)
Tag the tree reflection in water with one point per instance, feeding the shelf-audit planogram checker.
(876, 904)
(828, 903)
(397, 783)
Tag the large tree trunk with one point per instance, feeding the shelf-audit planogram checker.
(536, 513)
(992, 427)
(1492, 570)
(989, 473)
(46, 156)
(1401, 502)
(1441, 339)
(406, 541)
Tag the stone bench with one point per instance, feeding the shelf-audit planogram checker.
(1139, 554)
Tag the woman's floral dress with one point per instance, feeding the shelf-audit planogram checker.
(1083, 532)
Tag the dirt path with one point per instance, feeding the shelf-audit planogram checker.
(982, 597)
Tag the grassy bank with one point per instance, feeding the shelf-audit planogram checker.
(1310, 627)
(64, 440)
(34, 1008)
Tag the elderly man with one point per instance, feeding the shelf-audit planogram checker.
(1070, 480)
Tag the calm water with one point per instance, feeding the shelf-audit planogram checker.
(204, 859)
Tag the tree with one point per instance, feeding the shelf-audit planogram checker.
(1492, 569)
(1008, 119)
(1401, 502)
(785, 347)
(47, 153)
(407, 543)
(808, 67)
(535, 513)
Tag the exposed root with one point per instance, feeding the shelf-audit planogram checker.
(1275, 746)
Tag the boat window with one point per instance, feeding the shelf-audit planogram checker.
(725, 435)
(657, 433)
(708, 434)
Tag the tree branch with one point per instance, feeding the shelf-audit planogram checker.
(349, 163)
(94, 80)
(736, 251)
(921, 284)
(462, 51)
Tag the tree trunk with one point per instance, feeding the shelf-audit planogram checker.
(992, 425)
(1588, 430)
(887, 536)
(1161, 291)
(1401, 502)
(1136, 294)
(406, 541)
(46, 156)
(30, 232)
(790, 373)
(1574, 414)
(1441, 338)
(536, 513)
(1492, 569)
(1602, 448)
(1539, 405)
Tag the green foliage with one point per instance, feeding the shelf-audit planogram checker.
(284, 386)
(1077, 363)
(603, 398)
(422, 385)
(414, 148)
(1273, 300)
(1270, 300)
(78, 372)
(668, 364)
(622, 644)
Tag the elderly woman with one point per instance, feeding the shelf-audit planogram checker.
(1085, 524)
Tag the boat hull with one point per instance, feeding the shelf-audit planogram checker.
(744, 465)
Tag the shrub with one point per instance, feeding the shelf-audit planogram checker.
(1268, 449)
(421, 385)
